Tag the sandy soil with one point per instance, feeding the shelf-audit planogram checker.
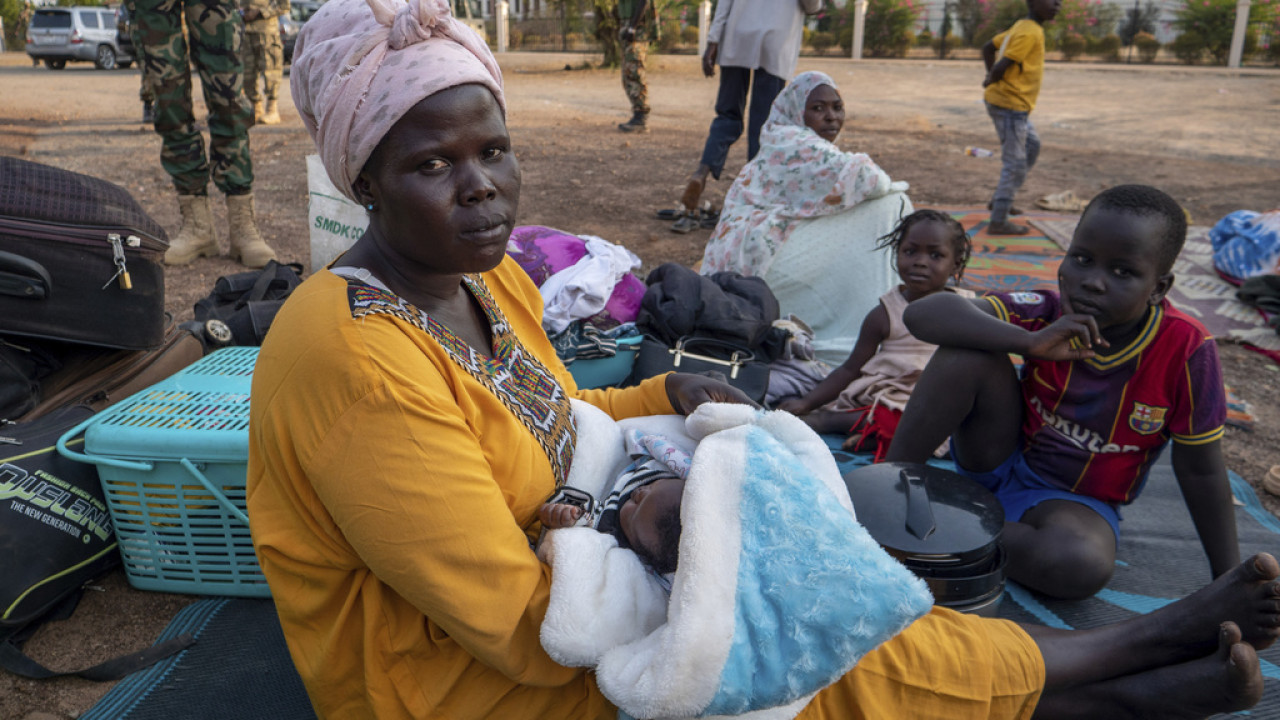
(1206, 135)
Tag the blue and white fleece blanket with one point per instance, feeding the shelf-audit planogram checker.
(778, 591)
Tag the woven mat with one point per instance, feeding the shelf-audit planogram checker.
(1159, 560)
(1197, 290)
(1009, 263)
(239, 669)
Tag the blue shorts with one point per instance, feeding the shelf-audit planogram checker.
(1019, 488)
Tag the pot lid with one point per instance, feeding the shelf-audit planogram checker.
(924, 510)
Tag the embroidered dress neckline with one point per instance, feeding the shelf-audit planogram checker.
(526, 387)
(501, 343)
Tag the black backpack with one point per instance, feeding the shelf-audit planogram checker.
(241, 307)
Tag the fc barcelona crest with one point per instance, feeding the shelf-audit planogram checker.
(1146, 419)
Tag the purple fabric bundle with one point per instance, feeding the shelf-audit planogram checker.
(544, 251)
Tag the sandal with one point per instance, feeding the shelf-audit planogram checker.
(671, 214)
(707, 218)
(685, 225)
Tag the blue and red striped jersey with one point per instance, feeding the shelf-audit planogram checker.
(1095, 426)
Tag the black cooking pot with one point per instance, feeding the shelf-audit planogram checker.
(943, 526)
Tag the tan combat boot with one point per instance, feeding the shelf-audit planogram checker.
(272, 116)
(247, 246)
(195, 239)
(257, 112)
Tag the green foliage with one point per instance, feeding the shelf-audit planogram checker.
(1213, 22)
(1148, 46)
(924, 39)
(1001, 17)
(1108, 47)
(689, 35)
(953, 42)
(1091, 19)
(670, 36)
(1250, 47)
(821, 42)
(606, 31)
(971, 16)
(14, 29)
(1139, 20)
(1188, 47)
(1072, 45)
(888, 27)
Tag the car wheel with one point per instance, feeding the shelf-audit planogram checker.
(106, 59)
(55, 64)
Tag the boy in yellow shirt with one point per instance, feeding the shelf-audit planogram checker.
(1015, 65)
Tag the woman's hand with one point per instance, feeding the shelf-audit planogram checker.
(1070, 337)
(687, 391)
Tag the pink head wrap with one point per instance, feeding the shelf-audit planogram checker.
(360, 65)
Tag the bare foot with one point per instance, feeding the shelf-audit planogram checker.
(1248, 596)
(1004, 227)
(1227, 681)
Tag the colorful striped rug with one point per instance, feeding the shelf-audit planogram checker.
(1009, 263)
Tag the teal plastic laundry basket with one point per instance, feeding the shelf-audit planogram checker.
(173, 461)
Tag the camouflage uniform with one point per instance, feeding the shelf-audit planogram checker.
(263, 52)
(634, 52)
(146, 89)
(215, 31)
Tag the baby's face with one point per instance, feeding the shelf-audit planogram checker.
(639, 515)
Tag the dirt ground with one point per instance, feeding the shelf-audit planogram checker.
(1206, 135)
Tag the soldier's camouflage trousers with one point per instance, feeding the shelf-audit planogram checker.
(263, 55)
(634, 82)
(211, 42)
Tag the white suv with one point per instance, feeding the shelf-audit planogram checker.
(57, 35)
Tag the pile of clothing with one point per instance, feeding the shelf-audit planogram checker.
(590, 296)
(1246, 251)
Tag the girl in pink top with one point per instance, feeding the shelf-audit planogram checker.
(865, 395)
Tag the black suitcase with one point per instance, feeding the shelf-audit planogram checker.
(80, 260)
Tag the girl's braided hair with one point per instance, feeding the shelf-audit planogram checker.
(960, 241)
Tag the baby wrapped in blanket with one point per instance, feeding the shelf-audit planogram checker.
(640, 508)
(777, 591)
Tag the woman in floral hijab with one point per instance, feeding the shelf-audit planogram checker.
(798, 174)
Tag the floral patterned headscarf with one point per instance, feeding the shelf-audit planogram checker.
(796, 175)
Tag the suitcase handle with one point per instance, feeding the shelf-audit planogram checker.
(23, 277)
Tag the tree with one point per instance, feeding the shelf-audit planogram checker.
(1139, 19)
(969, 14)
(606, 31)
(1212, 22)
